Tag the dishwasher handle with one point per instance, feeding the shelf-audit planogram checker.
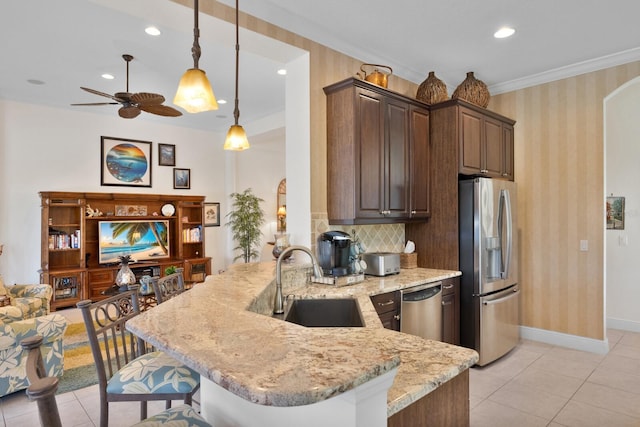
(421, 295)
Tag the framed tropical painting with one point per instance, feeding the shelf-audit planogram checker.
(125, 162)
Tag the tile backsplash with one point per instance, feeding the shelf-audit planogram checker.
(375, 238)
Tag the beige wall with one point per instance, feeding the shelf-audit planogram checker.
(559, 170)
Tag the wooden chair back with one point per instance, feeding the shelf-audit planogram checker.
(168, 286)
(41, 388)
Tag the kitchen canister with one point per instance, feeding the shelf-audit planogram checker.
(472, 90)
(432, 90)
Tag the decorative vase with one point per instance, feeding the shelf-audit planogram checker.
(281, 243)
(432, 90)
(473, 91)
(125, 276)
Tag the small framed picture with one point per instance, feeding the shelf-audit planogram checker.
(125, 162)
(211, 214)
(181, 178)
(615, 213)
(166, 155)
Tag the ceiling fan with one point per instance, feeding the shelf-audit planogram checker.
(133, 103)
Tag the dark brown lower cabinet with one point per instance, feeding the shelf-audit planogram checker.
(448, 405)
(451, 311)
(387, 306)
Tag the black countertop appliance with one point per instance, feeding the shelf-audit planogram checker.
(333, 253)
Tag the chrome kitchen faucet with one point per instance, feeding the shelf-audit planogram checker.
(278, 301)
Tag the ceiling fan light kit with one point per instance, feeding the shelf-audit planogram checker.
(236, 137)
(194, 92)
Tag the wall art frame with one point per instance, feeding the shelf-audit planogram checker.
(212, 214)
(166, 155)
(181, 178)
(615, 213)
(125, 162)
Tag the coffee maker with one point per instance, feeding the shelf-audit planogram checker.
(333, 253)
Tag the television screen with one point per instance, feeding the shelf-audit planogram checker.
(141, 239)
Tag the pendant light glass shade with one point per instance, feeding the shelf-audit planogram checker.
(236, 139)
(194, 92)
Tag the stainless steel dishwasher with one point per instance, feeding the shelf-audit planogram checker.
(421, 311)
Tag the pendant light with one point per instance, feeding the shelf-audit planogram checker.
(236, 137)
(194, 91)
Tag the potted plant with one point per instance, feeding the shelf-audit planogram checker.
(245, 220)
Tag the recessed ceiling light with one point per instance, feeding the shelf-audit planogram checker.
(152, 31)
(35, 82)
(108, 76)
(282, 72)
(504, 32)
(222, 101)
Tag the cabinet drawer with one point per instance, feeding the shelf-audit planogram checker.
(102, 276)
(384, 303)
(450, 286)
(96, 292)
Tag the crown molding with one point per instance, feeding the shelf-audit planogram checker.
(573, 70)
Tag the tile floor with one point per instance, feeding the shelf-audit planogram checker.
(536, 384)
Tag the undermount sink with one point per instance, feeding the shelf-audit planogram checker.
(325, 313)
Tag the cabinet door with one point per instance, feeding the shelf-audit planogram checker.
(493, 148)
(507, 154)
(451, 311)
(396, 159)
(370, 162)
(471, 156)
(195, 270)
(68, 288)
(420, 166)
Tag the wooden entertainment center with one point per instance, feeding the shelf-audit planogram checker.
(70, 240)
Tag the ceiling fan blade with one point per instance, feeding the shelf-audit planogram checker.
(128, 112)
(146, 98)
(98, 103)
(97, 92)
(160, 110)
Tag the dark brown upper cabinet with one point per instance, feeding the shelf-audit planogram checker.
(377, 155)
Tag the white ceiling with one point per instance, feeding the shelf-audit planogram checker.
(69, 43)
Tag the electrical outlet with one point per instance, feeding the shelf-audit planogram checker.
(584, 245)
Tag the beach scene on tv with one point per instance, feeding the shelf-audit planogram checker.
(142, 240)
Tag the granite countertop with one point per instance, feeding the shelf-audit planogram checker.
(223, 328)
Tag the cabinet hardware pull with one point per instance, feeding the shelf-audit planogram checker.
(413, 212)
(447, 286)
(382, 304)
(396, 317)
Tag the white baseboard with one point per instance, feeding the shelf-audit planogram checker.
(565, 340)
(625, 325)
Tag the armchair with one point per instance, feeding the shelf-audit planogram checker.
(26, 301)
(13, 374)
(28, 315)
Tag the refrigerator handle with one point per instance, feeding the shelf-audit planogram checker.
(505, 205)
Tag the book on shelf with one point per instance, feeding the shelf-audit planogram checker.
(192, 235)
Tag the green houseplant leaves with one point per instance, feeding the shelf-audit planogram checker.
(245, 220)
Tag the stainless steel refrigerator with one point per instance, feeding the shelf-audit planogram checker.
(489, 291)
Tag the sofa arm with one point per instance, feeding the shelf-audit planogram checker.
(51, 327)
(36, 291)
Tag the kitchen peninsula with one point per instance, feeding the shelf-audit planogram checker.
(249, 360)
